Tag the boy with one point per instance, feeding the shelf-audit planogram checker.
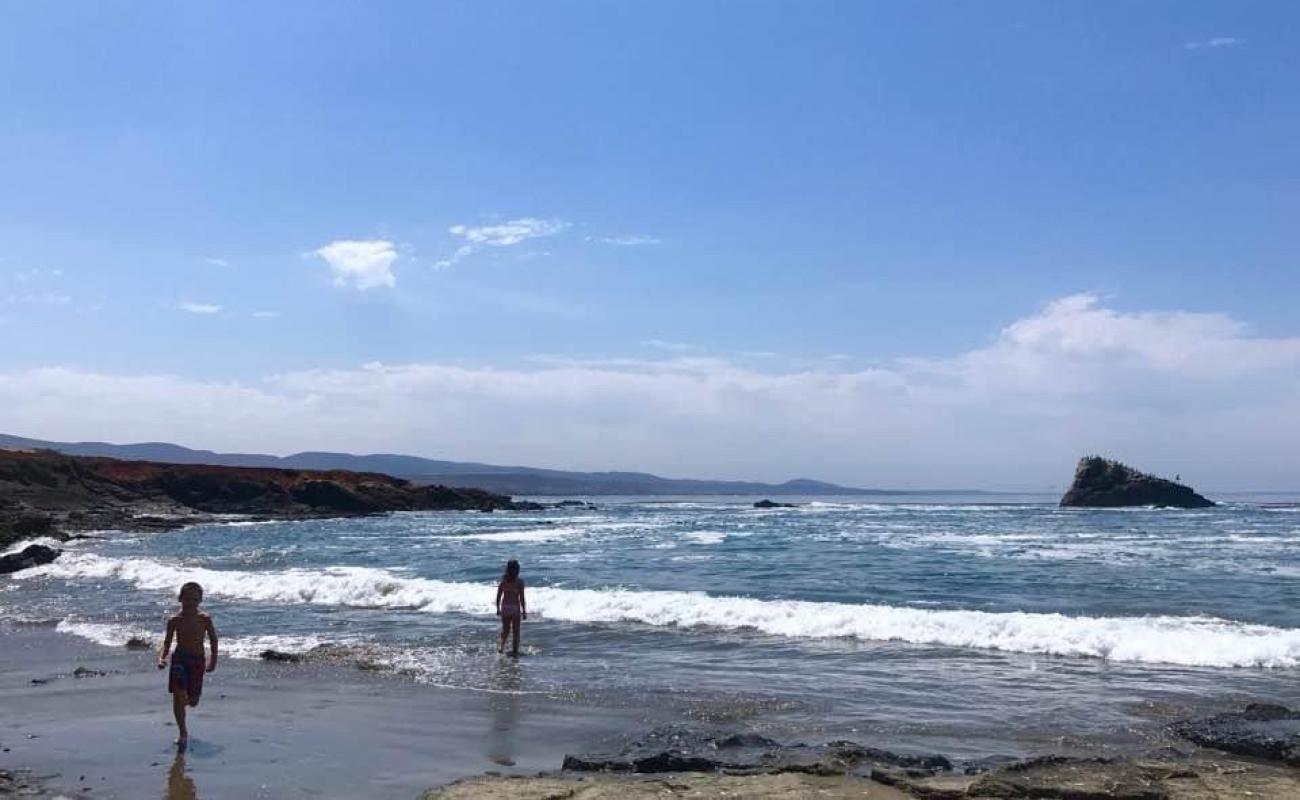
(185, 681)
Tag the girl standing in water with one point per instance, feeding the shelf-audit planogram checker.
(510, 605)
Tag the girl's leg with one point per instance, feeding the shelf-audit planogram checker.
(505, 630)
(514, 621)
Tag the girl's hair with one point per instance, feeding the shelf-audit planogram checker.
(190, 585)
(512, 570)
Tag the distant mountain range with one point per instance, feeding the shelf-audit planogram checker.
(505, 480)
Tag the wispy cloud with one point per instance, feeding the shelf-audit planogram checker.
(1214, 43)
(266, 314)
(627, 241)
(217, 262)
(663, 344)
(361, 263)
(506, 234)
(199, 308)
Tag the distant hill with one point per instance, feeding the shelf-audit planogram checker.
(504, 480)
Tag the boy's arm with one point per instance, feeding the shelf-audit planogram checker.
(212, 640)
(167, 642)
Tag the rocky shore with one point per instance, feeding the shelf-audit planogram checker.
(43, 493)
(1251, 752)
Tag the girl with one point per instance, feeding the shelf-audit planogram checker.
(510, 605)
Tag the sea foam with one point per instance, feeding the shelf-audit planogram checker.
(1189, 641)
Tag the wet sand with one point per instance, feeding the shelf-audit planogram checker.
(267, 730)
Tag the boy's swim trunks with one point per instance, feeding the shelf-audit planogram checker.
(186, 675)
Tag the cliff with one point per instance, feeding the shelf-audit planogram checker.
(43, 492)
(1102, 483)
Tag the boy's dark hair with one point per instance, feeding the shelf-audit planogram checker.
(512, 569)
(190, 585)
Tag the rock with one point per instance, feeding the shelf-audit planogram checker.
(675, 749)
(1268, 732)
(17, 524)
(137, 643)
(1102, 483)
(278, 656)
(86, 672)
(1079, 779)
(772, 504)
(31, 556)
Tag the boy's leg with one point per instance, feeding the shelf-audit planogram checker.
(179, 701)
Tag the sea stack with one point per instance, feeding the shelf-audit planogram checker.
(1102, 483)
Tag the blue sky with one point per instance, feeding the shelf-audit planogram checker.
(704, 203)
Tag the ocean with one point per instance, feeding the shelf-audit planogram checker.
(952, 624)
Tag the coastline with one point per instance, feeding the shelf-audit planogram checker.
(92, 721)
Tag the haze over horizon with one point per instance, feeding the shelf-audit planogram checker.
(734, 244)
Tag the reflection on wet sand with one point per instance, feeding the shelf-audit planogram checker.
(179, 785)
(504, 702)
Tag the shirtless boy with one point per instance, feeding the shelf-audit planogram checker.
(185, 681)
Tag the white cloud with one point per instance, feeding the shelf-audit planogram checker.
(200, 308)
(216, 262)
(506, 234)
(1214, 43)
(629, 241)
(1189, 392)
(362, 263)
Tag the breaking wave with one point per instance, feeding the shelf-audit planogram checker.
(1189, 641)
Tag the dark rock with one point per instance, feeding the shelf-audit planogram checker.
(136, 643)
(1264, 731)
(86, 672)
(526, 505)
(31, 556)
(772, 504)
(677, 749)
(276, 655)
(1101, 483)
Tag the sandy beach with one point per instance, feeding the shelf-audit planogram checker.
(265, 730)
(82, 720)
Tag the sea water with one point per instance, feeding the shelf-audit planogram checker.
(953, 623)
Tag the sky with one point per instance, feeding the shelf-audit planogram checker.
(935, 244)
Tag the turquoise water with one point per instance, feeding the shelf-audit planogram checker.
(970, 626)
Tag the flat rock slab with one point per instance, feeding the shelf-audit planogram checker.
(1259, 730)
(758, 787)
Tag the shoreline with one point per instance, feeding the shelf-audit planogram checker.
(265, 729)
(89, 720)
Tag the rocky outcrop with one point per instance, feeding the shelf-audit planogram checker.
(1102, 483)
(677, 749)
(772, 504)
(1259, 730)
(31, 556)
(46, 493)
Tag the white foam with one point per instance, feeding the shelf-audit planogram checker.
(112, 634)
(707, 537)
(18, 547)
(547, 534)
(1190, 641)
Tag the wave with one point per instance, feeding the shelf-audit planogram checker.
(1188, 641)
(111, 634)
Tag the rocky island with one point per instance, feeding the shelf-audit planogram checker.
(1103, 483)
(43, 493)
